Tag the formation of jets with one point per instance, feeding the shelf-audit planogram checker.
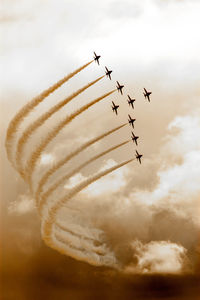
(130, 103)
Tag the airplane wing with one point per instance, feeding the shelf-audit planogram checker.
(136, 152)
(145, 90)
(106, 69)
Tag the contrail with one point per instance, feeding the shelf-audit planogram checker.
(50, 219)
(25, 110)
(40, 121)
(73, 172)
(50, 136)
(80, 253)
(79, 242)
(62, 227)
(61, 162)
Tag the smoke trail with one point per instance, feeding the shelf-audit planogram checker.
(90, 257)
(50, 136)
(61, 162)
(40, 121)
(80, 242)
(62, 227)
(76, 170)
(25, 110)
(48, 222)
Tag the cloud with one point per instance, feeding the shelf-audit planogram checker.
(158, 257)
(23, 205)
(166, 213)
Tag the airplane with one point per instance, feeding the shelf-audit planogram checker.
(131, 101)
(134, 138)
(131, 121)
(114, 107)
(108, 73)
(138, 156)
(119, 87)
(96, 58)
(147, 94)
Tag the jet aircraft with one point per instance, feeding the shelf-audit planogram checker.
(138, 156)
(114, 107)
(108, 72)
(134, 138)
(147, 94)
(131, 101)
(119, 87)
(131, 121)
(96, 58)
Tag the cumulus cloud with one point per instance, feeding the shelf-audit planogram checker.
(158, 257)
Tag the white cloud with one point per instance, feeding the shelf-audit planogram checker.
(179, 185)
(158, 257)
(23, 205)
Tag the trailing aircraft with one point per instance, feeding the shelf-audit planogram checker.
(134, 138)
(114, 107)
(131, 121)
(131, 101)
(119, 87)
(138, 156)
(108, 72)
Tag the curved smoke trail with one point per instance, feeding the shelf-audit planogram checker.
(49, 220)
(40, 121)
(79, 240)
(63, 161)
(25, 110)
(58, 183)
(31, 164)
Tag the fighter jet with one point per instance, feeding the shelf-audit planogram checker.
(134, 138)
(108, 72)
(131, 121)
(119, 87)
(131, 101)
(96, 58)
(147, 94)
(114, 107)
(138, 156)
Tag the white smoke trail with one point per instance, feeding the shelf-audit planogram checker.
(56, 185)
(27, 109)
(79, 240)
(90, 257)
(31, 164)
(40, 121)
(49, 220)
(63, 161)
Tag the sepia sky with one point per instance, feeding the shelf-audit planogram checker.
(148, 215)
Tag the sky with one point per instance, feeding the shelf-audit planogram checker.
(143, 218)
